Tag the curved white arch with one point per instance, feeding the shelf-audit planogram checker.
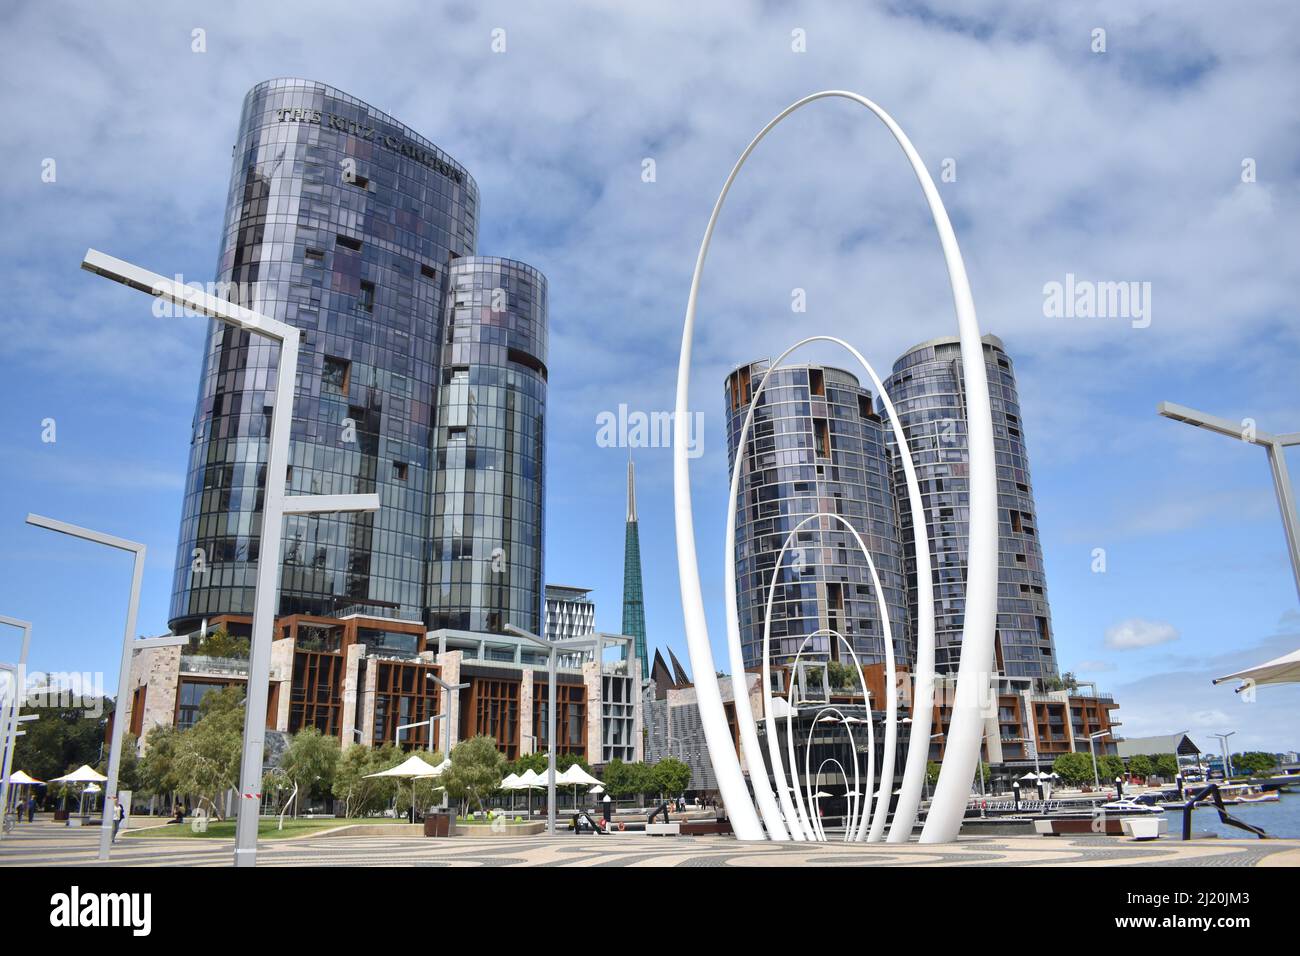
(925, 594)
(948, 805)
(849, 796)
(891, 706)
(820, 832)
(778, 770)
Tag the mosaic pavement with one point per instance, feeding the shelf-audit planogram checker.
(47, 844)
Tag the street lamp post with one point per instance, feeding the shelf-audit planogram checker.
(1227, 758)
(453, 698)
(1092, 738)
(9, 731)
(275, 505)
(1275, 445)
(553, 648)
(129, 647)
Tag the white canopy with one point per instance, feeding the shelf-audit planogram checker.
(1029, 776)
(598, 788)
(528, 780)
(575, 776)
(413, 766)
(1280, 670)
(509, 782)
(83, 774)
(18, 777)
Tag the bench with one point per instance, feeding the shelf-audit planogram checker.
(1145, 828)
(663, 829)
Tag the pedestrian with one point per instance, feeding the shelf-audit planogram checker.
(31, 809)
(119, 814)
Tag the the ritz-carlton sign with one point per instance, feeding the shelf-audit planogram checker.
(371, 134)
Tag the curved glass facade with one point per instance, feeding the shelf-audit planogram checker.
(345, 223)
(485, 569)
(816, 445)
(927, 390)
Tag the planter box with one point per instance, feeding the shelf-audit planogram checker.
(510, 829)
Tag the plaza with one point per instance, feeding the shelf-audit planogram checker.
(42, 844)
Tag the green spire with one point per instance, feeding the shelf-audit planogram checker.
(633, 603)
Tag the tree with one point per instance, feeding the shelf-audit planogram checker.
(309, 763)
(843, 676)
(476, 770)
(157, 773)
(1253, 763)
(1109, 766)
(672, 776)
(60, 739)
(618, 779)
(360, 793)
(220, 643)
(207, 758)
(1141, 766)
(1074, 768)
(932, 772)
(1166, 765)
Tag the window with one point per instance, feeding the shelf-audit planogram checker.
(367, 298)
(347, 242)
(316, 256)
(336, 375)
(399, 470)
(361, 182)
(429, 272)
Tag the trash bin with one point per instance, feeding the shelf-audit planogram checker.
(437, 823)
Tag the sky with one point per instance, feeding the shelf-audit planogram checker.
(1162, 152)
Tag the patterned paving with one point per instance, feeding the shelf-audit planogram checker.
(43, 844)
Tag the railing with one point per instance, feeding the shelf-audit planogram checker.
(201, 664)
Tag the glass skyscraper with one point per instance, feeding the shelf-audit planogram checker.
(485, 568)
(352, 227)
(816, 445)
(927, 390)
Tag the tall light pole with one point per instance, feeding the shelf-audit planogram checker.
(275, 505)
(1275, 445)
(1092, 749)
(129, 646)
(452, 693)
(1227, 758)
(9, 720)
(553, 648)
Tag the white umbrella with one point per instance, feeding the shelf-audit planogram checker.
(575, 777)
(21, 779)
(1280, 670)
(598, 788)
(416, 768)
(530, 780)
(83, 774)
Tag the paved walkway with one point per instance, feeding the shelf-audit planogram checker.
(46, 844)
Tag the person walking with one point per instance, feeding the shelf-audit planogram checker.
(119, 814)
(31, 808)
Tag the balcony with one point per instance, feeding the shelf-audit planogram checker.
(225, 666)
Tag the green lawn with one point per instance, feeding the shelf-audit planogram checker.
(266, 829)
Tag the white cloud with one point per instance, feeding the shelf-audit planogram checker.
(1138, 632)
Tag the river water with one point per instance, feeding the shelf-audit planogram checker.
(1280, 819)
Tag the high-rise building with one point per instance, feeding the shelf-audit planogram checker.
(570, 612)
(633, 600)
(816, 445)
(927, 390)
(422, 378)
(485, 569)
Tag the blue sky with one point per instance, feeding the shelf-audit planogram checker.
(1122, 165)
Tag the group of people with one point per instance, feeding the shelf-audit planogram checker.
(27, 806)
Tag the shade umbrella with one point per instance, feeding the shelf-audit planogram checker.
(530, 780)
(575, 777)
(21, 779)
(1280, 670)
(83, 775)
(509, 783)
(416, 768)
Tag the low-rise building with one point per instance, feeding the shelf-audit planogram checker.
(361, 676)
